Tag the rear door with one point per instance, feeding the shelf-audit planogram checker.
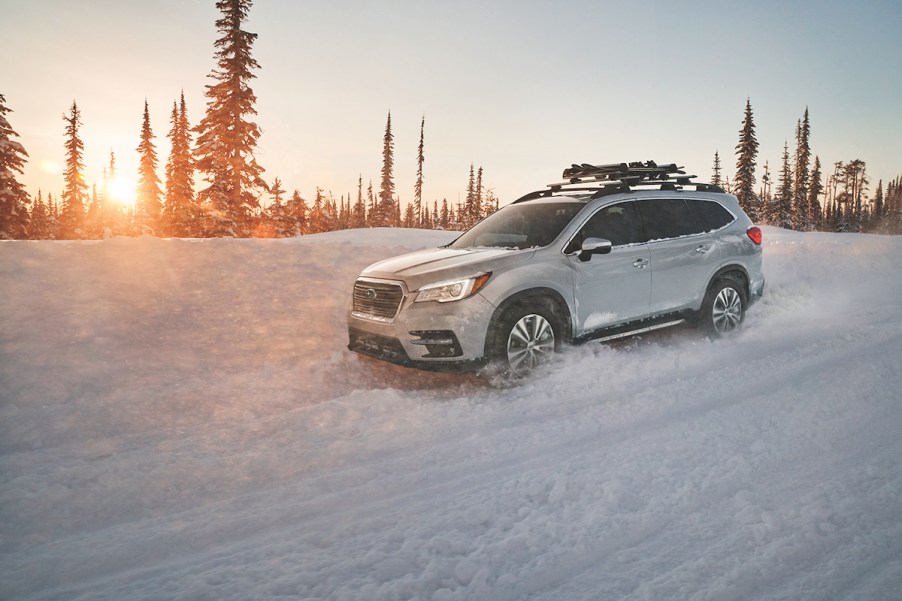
(682, 254)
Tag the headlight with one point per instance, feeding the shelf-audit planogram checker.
(454, 290)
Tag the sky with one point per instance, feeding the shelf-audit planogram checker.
(520, 89)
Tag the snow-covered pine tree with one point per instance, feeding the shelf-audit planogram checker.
(180, 216)
(418, 185)
(227, 139)
(800, 215)
(149, 200)
(75, 190)
(14, 200)
(746, 154)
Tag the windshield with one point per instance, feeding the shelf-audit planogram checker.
(525, 225)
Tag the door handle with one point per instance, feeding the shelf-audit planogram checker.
(641, 263)
(702, 249)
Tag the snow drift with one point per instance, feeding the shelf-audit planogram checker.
(179, 419)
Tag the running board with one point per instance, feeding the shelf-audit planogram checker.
(645, 330)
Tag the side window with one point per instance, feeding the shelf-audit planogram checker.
(617, 223)
(667, 218)
(712, 215)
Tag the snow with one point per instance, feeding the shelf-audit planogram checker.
(179, 419)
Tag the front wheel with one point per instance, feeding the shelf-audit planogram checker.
(724, 308)
(526, 337)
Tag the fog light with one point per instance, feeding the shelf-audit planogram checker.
(438, 343)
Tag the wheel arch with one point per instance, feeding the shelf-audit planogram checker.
(547, 295)
(735, 271)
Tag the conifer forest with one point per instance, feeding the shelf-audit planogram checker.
(211, 185)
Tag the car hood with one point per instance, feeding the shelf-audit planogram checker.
(436, 264)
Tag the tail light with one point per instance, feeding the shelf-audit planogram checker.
(754, 234)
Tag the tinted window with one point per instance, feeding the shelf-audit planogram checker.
(711, 215)
(618, 223)
(667, 218)
(523, 225)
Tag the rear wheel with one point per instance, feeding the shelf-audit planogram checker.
(526, 337)
(724, 307)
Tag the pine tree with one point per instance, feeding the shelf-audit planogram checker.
(446, 216)
(372, 209)
(273, 222)
(296, 211)
(470, 209)
(894, 206)
(715, 174)
(149, 203)
(14, 200)
(766, 209)
(855, 183)
(93, 223)
(801, 210)
(226, 138)
(40, 225)
(75, 195)
(480, 210)
(316, 220)
(358, 215)
(746, 153)
(815, 189)
(180, 216)
(418, 186)
(784, 193)
(385, 210)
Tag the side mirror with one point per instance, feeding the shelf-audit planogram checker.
(594, 246)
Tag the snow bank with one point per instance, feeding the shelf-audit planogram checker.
(179, 419)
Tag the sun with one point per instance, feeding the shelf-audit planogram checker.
(122, 191)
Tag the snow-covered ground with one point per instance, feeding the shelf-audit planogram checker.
(179, 419)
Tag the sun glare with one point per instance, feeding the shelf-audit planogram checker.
(122, 190)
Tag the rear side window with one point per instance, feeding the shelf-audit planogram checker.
(667, 218)
(711, 215)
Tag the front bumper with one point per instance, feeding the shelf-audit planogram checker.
(430, 335)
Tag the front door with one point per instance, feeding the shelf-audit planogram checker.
(613, 288)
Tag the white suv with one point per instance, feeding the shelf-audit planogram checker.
(612, 251)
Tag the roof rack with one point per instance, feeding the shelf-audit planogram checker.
(620, 177)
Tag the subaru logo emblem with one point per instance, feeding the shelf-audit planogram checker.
(371, 294)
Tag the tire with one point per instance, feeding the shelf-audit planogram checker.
(724, 307)
(526, 336)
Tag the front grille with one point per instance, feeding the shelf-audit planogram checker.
(377, 299)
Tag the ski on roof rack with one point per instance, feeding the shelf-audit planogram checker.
(636, 171)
